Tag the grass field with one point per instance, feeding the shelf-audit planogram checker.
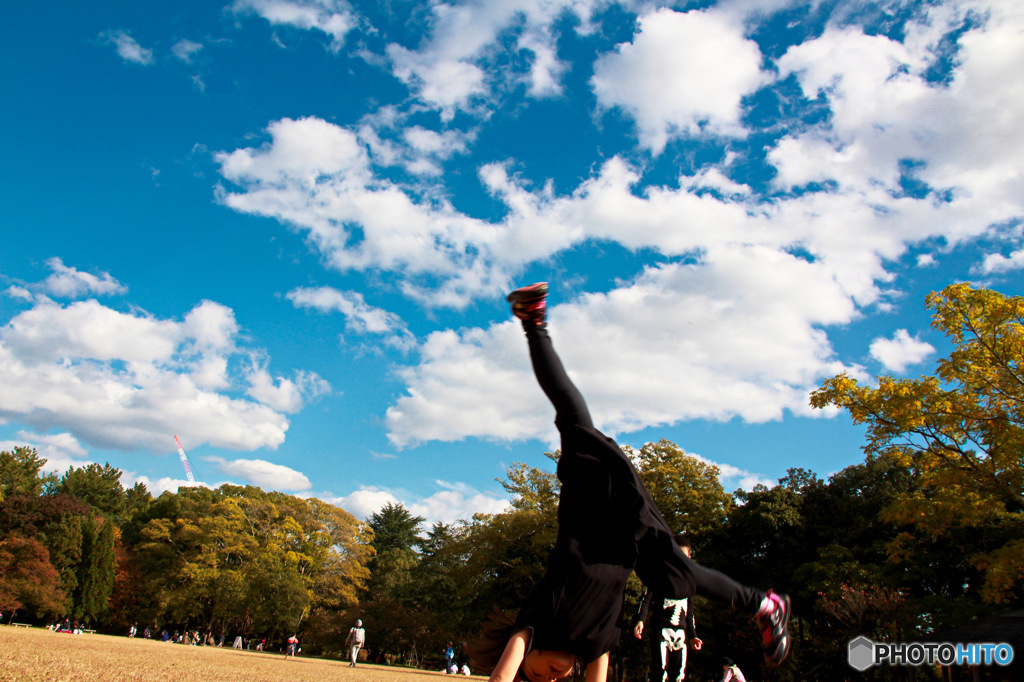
(37, 654)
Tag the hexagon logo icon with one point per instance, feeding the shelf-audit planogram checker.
(861, 653)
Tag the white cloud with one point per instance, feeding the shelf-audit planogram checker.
(681, 342)
(683, 74)
(66, 282)
(995, 263)
(282, 394)
(316, 177)
(733, 477)
(901, 351)
(52, 333)
(18, 292)
(363, 502)
(454, 501)
(333, 17)
(127, 47)
(768, 277)
(129, 380)
(60, 450)
(359, 316)
(446, 71)
(185, 50)
(962, 136)
(263, 474)
(158, 486)
(448, 84)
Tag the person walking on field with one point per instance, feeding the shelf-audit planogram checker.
(608, 526)
(672, 629)
(293, 645)
(355, 641)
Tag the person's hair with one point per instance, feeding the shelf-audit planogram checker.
(485, 649)
(683, 540)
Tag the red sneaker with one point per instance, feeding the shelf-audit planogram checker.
(774, 633)
(529, 304)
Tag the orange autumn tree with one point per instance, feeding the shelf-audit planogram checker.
(962, 431)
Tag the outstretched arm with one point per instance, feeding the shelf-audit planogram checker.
(645, 607)
(598, 670)
(511, 659)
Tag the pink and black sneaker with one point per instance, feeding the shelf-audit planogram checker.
(529, 304)
(773, 619)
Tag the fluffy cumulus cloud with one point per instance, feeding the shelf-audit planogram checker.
(995, 263)
(889, 120)
(456, 501)
(729, 314)
(364, 502)
(263, 474)
(733, 477)
(453, 501)
(60, 450)
(681, 342)
(901, 351)
(127, 380)
(447, 72)
(684, 73)
(317, 177)
(68, 282)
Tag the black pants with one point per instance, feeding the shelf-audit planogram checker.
(659, 554)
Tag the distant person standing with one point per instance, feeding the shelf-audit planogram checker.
(293, 645)
(449, 657)
(355, 641)
(672, 629)
(132, 630)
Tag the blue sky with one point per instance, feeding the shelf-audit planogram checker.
(283, 229)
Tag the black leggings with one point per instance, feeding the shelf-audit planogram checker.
(661, 566)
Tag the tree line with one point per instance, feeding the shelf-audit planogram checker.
(925, 533)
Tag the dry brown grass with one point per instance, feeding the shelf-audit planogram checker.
(37, 654)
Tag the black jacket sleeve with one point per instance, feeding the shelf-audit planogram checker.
(645, 606)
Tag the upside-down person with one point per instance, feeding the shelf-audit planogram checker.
(608, 526)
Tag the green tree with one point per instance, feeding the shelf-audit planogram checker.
(98, 486)
(247, 561)
(961, 432)
(96, 569)
(20, 473)
(394, 527)
(685, 489)
(137, 499)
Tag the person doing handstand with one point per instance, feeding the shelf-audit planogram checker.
(608, 526)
